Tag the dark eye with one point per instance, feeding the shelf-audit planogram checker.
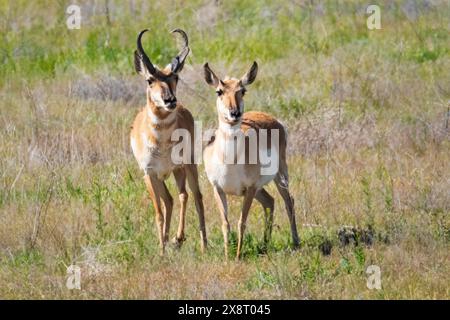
(219, 92)
(150, 81)
(243, 91)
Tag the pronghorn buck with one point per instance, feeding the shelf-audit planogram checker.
(262, 135)
(151, 142)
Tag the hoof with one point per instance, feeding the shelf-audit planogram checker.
(178, 242)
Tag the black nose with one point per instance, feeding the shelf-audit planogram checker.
(235, 114)
(172, 102)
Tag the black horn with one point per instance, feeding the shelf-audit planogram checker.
(142, 55)
(178, 62)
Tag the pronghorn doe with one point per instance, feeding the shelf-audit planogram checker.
(152, 144)
(245, 177)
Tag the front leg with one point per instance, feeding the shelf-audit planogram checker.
(248, 199)
(168, 207)
(155, 189)
(180, 179)
(221, 200)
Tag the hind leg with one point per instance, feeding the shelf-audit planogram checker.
(192, 177)
(282, 183)
(267, 202)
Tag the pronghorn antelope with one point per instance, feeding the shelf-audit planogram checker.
(152, 144)
(245, 178)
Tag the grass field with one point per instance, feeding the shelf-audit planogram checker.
(368, 119)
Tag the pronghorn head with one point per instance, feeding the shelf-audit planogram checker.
(162, 83)
(230, 93)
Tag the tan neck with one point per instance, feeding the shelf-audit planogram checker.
(158, 121)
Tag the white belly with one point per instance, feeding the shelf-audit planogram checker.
(162, 167)
(231, 179)
(234, 178)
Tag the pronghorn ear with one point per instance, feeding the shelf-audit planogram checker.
(140, 67)
(250, 76)
(210, 76)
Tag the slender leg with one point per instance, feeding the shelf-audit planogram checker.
(154, 189)
(248, 199)
(221, 200)
(168, 206)
(192, 177)
(180, 178)
(281, 181)
(267, 202)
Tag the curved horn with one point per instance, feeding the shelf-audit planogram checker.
(140, 50)
(184, 35)
(178, 61)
